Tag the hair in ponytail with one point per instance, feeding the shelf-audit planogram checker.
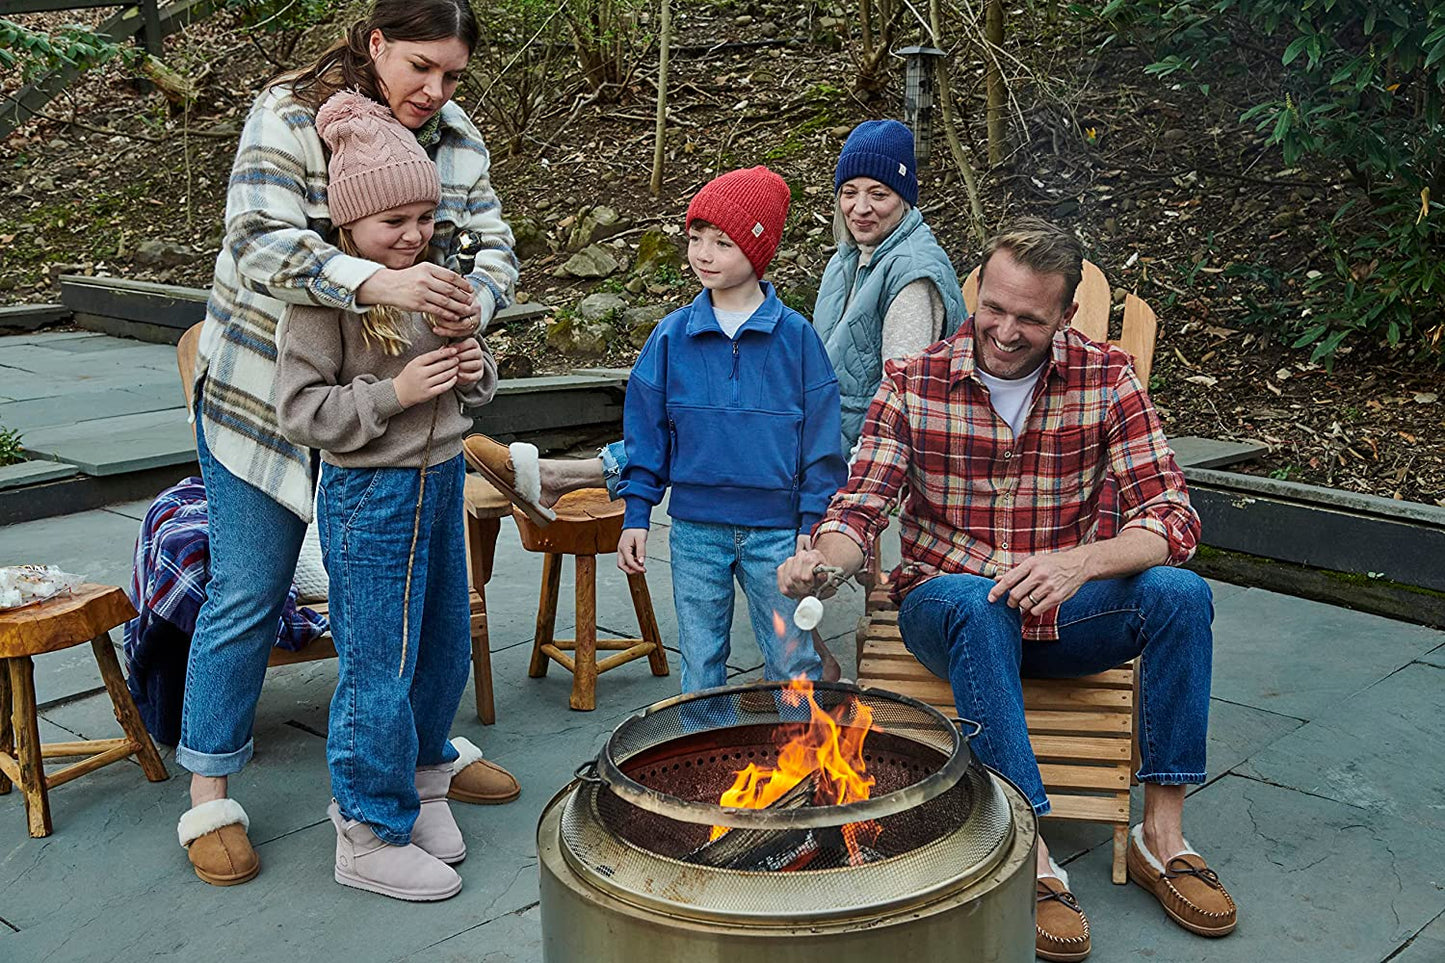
(346, 64)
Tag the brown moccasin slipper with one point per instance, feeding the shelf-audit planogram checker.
(1186, 887)
(475, 780)
(1061, 931)
(214, 835)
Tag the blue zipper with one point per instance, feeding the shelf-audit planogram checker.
(737, 385)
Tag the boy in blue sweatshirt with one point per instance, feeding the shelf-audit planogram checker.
(734, 404)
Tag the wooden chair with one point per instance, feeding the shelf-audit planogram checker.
(485, 508)
(1082, 730)
(588, 524)
(85, 615)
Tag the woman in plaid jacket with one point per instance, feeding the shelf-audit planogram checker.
(408, 55)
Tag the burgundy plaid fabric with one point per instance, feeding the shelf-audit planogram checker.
(978, 500)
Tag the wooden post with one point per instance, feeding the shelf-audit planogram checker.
(27, 745)
(7, 732)
(481, 552)
(151, 32)
(647, 623)
(993, 77)
(660, 136)
(125, 711)
(584, 657)
(1119, 870)
(546, 613)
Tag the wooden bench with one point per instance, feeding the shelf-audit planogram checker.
(485, 508)
(1082, 730)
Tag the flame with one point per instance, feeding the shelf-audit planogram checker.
(823, 746)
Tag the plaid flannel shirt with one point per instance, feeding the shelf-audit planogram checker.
(275, 253)
(979, 500)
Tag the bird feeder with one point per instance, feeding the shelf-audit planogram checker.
(918, 98)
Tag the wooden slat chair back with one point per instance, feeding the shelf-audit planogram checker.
(485, 507)
(1082, 730)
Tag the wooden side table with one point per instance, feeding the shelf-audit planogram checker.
(85, 615)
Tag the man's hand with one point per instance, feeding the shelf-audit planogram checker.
(797, 578)
(470, 363)
(1042, 582)
(443, 294)
(632, 551)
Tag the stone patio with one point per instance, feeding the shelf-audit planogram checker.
(1325, 812)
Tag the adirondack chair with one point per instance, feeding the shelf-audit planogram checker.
(485, 508)
(1082, 730)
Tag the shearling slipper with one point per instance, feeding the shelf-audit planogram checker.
(214, 835)
(1186, 887)
(475, 780)
(514, 470)
(1061, 930)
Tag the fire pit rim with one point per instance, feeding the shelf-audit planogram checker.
(605, 769)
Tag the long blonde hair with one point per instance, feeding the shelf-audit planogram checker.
(383, 323)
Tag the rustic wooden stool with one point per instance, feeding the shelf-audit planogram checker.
(588, 524)
(85, 615)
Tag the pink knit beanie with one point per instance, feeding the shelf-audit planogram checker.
(376, 163)
(750, 206)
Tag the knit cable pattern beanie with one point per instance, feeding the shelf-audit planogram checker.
(882, 150)
(376, 163)
(749, 206)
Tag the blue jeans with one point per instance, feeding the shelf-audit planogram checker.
(614, 459)
(1163, 614)
(706, 557)
(254, 543)
(394, 701)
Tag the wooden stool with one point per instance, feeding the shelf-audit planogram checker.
(486, 507)
(86, 615)
(588, 524)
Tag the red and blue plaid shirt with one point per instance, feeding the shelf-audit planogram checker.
(979, 500)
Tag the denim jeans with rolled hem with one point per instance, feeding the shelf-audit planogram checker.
(394, 701)
(1162, 614)
(706, 558)
(614, 459)
(254, 542)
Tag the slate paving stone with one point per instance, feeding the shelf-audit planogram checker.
(32, 472)
(96, 545)
(1316, 881)
(1435, 657)
(1368, 751)
(513, 938)
(135, 509)
(48, 338)
(1427, 947)
(84, 406)
(21, 385)
(114, 446)
(1300, 658)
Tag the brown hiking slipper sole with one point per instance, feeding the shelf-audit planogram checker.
(1061, 928)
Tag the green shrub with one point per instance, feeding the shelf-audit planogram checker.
(10, 450)
(1362, 86)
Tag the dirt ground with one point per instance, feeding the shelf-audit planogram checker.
(1174, 198)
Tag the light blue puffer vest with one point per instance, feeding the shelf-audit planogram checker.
(852, 329)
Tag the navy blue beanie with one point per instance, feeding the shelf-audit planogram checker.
(882, 150)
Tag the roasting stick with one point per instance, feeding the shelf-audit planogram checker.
(810, 610)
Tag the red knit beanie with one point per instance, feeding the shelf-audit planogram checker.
(749, 206)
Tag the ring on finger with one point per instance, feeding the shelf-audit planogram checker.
(1032, 600)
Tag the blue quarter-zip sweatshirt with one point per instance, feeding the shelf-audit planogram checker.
(746, 430)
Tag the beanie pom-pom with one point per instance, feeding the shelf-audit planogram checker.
(343, 111)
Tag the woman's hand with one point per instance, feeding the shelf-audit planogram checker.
(471, 363)
(426, 376)
(445, 295)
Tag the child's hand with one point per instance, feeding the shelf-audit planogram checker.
(470, 365)
(632, 551)
(426, 376)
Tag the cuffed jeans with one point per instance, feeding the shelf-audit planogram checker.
(1162, 614)
(254, 542)
(614, 459)
(395, 700)
(706, 557)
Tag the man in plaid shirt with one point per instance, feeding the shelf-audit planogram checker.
(1001, 441)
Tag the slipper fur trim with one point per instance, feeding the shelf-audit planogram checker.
(1138, 835)
(526, 471)
(209, 817)
(1057, 871)
(467, 753)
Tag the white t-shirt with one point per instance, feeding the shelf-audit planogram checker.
(1011, 398)
(730, 321)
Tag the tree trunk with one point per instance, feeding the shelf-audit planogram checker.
(865, 14)
(993, 76)
(660, 137)
(955, 146)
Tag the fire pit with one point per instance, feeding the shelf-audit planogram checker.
(856, 825)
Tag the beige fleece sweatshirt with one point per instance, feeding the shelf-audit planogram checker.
(334, 392)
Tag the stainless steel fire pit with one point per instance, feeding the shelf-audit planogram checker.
(936, 864)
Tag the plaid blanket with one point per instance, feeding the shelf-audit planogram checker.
(168, 585)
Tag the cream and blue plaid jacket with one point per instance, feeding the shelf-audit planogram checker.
(275, 253)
